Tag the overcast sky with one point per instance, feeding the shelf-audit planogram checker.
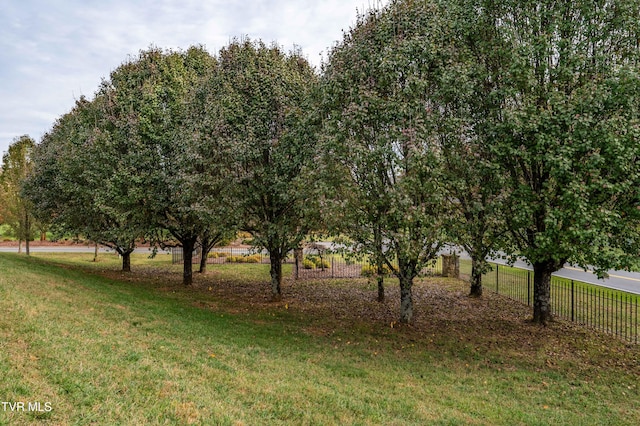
(51, 53)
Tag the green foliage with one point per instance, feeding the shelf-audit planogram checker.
(492, 124)
(382, 157)
(72, 183)
(558, 90)
(5, 232)
(258, 103)
(568, 119)
(123, 165)
(15, 209)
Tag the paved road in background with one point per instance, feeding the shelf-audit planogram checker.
(71, 249)
(618, 280)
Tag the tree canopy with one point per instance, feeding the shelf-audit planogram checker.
(15, 209)
(263, 97)
(491, 124)
(563, 129)
(377, 109)
(148, 114)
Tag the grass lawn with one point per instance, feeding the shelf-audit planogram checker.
(103, 347)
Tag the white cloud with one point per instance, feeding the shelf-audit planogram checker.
(53, 52)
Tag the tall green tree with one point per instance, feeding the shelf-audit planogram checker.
(16, 209)
(148, 111)
(378, 110)
(70, 183)
(563, 126)
(262, 99)
(474, 186)
(475, 196)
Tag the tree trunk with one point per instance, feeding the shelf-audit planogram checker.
(379, 262)
(43, 236)
(203, 261)
(27, 231)
(206, 244)
(276, 276)
(380, 278)
(476, 278)
(126, 261)
(95, 252)
(406, 299)
(187, 256)
(298, 256)
(19, 245)
(542, 292)
(380, 288)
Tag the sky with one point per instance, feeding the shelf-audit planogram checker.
(53, 52)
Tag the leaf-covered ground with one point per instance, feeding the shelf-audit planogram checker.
(489, 328)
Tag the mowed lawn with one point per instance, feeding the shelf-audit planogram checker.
(105, 348)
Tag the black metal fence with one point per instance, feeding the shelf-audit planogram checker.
(611, 311)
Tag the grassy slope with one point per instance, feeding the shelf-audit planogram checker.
(145, 351)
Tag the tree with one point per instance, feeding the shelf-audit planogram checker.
(148, 111)
(16, 167)
(474, 186)
(378, 113)
(563, 126)
(70, 187)
(209, 159)
(263, 95)
(475, 194)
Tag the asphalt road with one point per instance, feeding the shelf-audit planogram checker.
(71, 249)
(619, 280)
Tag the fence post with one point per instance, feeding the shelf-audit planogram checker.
(573, 302)
(528, 287)
(332, 274)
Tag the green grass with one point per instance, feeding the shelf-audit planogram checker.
(139, 349)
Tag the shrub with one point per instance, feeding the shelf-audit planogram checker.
(371, 270)
(217, 254)
(322, 263)
(244, 259)
(315, 262)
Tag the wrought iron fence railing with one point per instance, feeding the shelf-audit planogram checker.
(611, 311)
